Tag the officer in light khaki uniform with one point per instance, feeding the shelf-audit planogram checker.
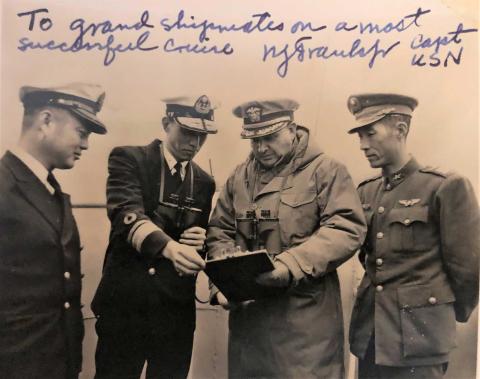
(421, 251)
(299, 332)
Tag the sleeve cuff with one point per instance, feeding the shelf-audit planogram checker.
(154, 243)
(288, 260)
(139, 231)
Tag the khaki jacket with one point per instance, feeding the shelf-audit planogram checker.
(298, 334)
(421, 260)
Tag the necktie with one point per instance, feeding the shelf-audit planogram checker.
(53, 182)
(177, 174)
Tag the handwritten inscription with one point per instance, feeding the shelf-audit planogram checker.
(371, 42)
(106, 29)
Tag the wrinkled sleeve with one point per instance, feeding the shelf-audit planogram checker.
(341, 230)
(459, 229)
(221, 228)
(126, 208)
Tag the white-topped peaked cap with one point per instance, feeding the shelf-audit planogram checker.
(264, 117)
(82, 99)
(193, 113)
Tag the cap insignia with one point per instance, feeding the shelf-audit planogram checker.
(202, 105)
(254, 114)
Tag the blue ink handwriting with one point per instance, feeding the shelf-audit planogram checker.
(259, 24)
(300, 52)
(400, 26)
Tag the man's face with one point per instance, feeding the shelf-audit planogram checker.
(270, 149)
(380, 144)
(65, 139)
(184, 144)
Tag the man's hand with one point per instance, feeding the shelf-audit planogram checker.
(279, 277)
(228, 305)
(194, 236)
(185, 258)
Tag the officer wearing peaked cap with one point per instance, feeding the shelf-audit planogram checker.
(158, 202)
(319, 224)
(41, 326)
(421, 252)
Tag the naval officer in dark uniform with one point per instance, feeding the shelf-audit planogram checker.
(41, 326)
(420, 255)
(158, 201)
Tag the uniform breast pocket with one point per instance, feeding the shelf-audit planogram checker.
(410, 229)
(298, 212)
(427, 320)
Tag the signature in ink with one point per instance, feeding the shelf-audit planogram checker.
(300, 52)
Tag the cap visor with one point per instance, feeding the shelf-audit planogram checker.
(92, 123)
(263, 131)
(362, 122)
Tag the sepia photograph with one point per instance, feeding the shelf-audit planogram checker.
(239, 189)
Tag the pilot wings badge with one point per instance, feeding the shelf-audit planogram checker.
(409, 202)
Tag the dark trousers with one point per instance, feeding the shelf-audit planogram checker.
(126, 342)
(367, 369)
(35, 365)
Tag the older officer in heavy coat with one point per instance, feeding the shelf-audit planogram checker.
(420, 255)
(158, 201)
(41, 326)
(298, 333)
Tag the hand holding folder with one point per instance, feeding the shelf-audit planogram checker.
(235, 274)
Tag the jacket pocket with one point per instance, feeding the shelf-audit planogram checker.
(298, 212)
(427, 320)
(409, 229)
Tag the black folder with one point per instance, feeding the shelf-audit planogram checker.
(234, 274)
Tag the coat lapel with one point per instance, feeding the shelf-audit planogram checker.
(153, 164)
(69, 230)
(33, 190)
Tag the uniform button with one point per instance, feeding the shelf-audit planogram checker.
(379, 261)
(381, 210)
(66, 305)
(151, 271)
(388, 187)
(66, 275)
(432, 300)
(379, 235)
(379, 288)
(407, 221)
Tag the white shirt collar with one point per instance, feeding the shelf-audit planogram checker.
(34, 165)
(171, 162)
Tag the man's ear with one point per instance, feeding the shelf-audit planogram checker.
(165, 123)
(401, 129)
(44, 119)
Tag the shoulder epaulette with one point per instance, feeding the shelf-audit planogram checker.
(434, 171)
(370, 180)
